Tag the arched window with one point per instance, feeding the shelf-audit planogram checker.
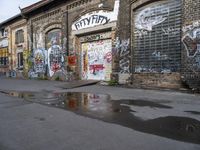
(55, 53)
(53, 37)
(157, 37)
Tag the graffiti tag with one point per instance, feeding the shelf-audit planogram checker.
(191, 41)
(123, 52)
(148, 18)
(92, 20)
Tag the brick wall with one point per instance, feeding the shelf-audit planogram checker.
(124, 60)
(122, 51)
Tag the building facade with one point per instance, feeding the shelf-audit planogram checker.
(4, 51)
(14, 47)
(138, 42)
(158, 43)
(72, 39)
(19, 47)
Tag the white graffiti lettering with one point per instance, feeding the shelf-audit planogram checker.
(171, 31)
(94, 19)
(124, 65)
(148, 17)
(192, 26)
(123, 52)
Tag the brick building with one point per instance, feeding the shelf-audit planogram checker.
(72, 39)
(139, 42)
(158, 43)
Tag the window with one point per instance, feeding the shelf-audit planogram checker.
(19, 36)
(20, 60)
(157, 37)
(3, 56)
(53, 37)
(2, 32)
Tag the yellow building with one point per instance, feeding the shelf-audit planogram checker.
(14, 53)
(4, 51)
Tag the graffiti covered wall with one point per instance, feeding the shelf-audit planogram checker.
(191, 43)
(157, 32)
(92, 40)
(55, 53)
(45, 40)
(96, 18)
(97, 60)
(40, 57)
(191, 39)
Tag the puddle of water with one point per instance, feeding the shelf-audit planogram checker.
(194, 112)
(143, 103)
(100, 107)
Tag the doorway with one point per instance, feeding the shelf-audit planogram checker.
(96, 60)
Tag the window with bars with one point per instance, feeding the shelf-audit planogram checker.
(157, 37)
(19, 36)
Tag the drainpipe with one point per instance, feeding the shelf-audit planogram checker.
(66, 32)
(11, 48)
(131, 43)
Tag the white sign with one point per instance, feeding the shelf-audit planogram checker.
(4, 43)
(96, 18)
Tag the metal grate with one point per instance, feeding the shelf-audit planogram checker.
(157, 37)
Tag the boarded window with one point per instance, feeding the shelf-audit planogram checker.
(157, 37)
(19, 36)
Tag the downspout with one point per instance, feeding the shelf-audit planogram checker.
(131, 45)
(11, 50)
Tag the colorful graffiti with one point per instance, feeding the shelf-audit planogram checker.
(55, 59)
(96, 60)
(48, 60)
(55, 53)
(40, 61)
(72, 60)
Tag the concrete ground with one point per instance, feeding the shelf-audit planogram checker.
(28, 125)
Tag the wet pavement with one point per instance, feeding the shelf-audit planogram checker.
(125, 112)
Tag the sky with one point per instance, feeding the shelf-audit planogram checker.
(10, 8)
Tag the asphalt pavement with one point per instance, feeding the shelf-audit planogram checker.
(38, 114)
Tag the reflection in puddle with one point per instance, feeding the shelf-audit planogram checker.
(100, 107)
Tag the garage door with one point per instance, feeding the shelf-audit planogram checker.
(96, 60)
